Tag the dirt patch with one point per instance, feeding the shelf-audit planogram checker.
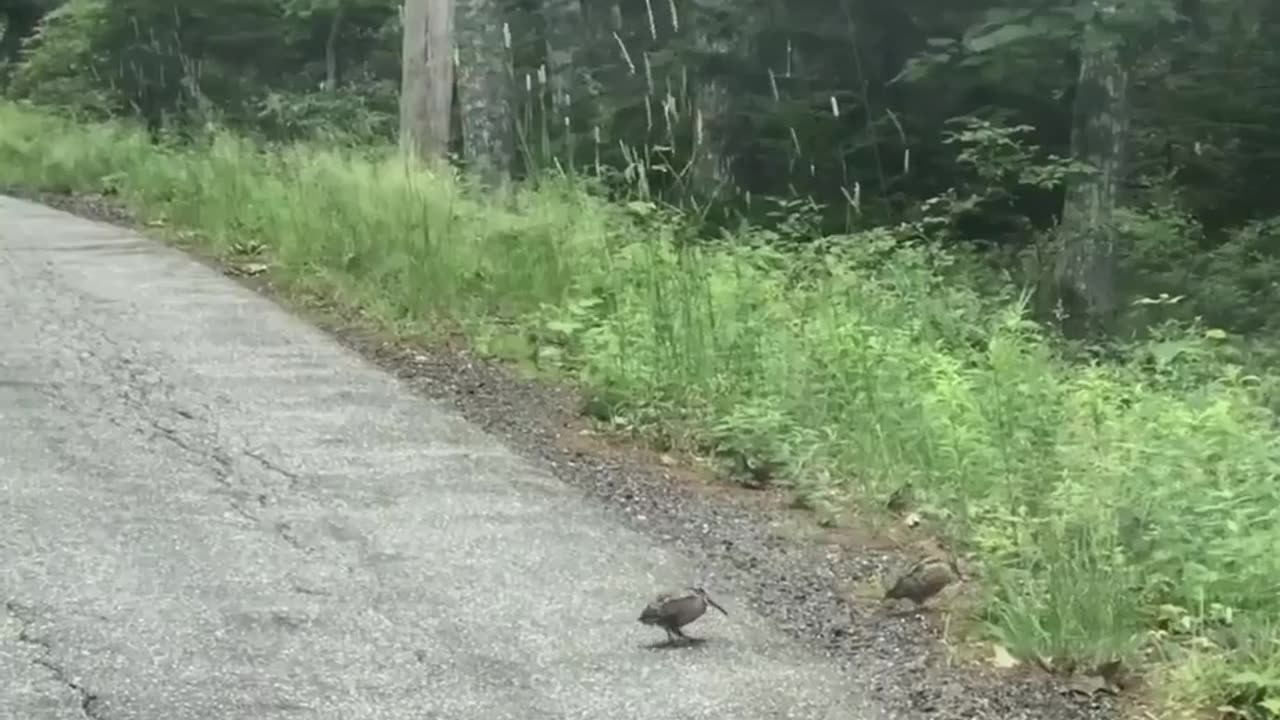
(750, 546)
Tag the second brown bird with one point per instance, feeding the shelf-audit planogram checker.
(671, 612)
(926, 578)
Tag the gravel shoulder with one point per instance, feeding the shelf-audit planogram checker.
(747, 545)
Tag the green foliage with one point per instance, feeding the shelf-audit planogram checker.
(241, 62)
(1102, 499)
(360, 118)
(58, 77)
(820, 100)
(997, 166)
(1234, 286)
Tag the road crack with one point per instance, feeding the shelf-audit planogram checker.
(88, 700)
(128, 388)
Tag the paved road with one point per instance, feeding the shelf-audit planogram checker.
(210, 510)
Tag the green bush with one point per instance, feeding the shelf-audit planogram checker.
(1114, 507)
(1233, 284)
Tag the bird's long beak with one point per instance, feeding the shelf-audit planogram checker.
(713, 604)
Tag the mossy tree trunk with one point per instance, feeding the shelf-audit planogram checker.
(484, 90)
(1085, 270)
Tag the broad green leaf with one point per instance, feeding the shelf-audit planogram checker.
(1249, 677)
(1000, 36)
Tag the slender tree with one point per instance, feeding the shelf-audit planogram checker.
(331, 46)
(18, 20)
(484, 89)
(440, 73)
(426, 83)
(414, 112)
(1085, 269)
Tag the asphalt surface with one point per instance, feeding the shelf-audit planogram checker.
(210, 509)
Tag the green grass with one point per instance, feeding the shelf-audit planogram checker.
(1124, 510)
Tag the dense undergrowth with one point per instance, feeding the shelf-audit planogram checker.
(1128, 509)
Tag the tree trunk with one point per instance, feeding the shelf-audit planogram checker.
(331, 49)
(484, 90)
(712, 170)
(712, 161)
(596, 55)
(565, 28)
(20, 21)
(415, 136)
(1085, 267)
(426, 82)
(440, 73)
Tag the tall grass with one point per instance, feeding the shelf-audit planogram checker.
(1114, 507)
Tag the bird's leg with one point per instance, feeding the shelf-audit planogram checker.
(680, 632)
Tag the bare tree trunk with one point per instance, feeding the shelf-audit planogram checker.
(565, 28)
(596, 53)
(1085, 267)
(440, 73)
(19, 21)
(601, 16)
(426, 82)
(712, 167)
(331, 49)
(484, 90)
(415, 136)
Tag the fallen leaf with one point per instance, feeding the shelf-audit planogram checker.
(911, 520)
(1002, 658)
(246, 268)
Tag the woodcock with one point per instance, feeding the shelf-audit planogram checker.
(671, 613)
(924, 579)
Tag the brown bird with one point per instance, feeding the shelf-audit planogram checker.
(926, 578)
(901, 498)
(672, 613)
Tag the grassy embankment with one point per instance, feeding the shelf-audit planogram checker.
(1117, 510)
